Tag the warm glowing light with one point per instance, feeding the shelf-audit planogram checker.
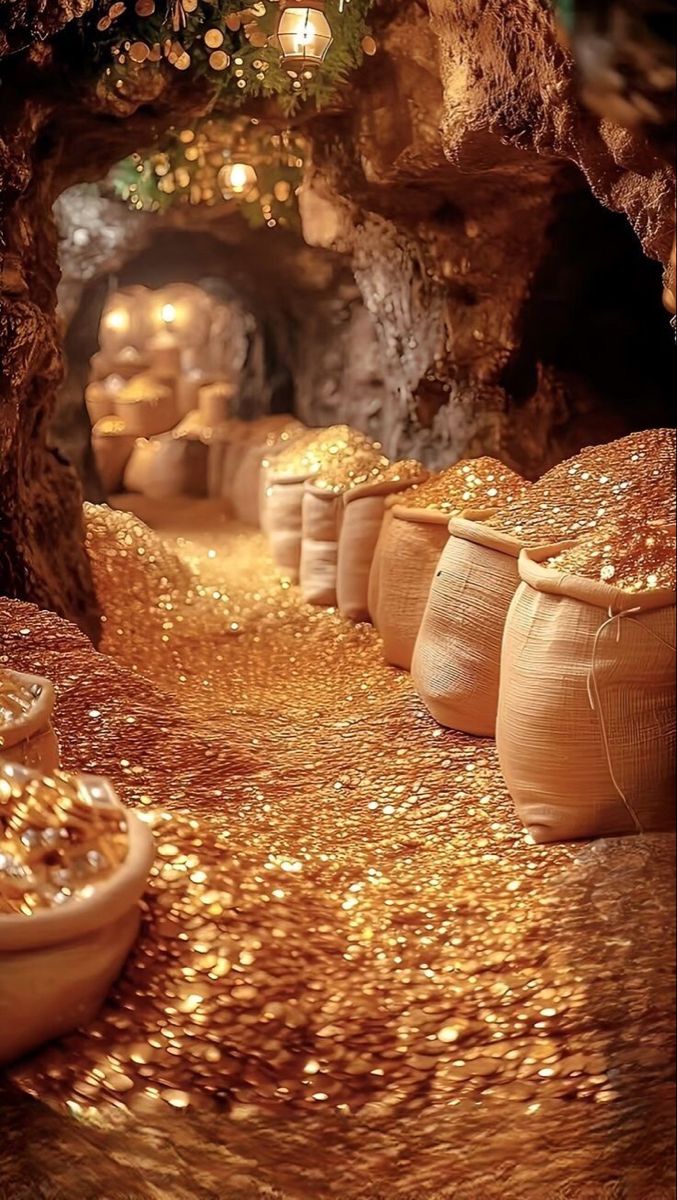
(117, 320)
(237, 179)
(168, 314)
(304, 36)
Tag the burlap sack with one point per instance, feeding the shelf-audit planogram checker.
(146, 406)
(188, 387)
(100, 397)
(586, 715)
(284, 522)
(166, 466)
(410, 546)
(408, 551)
(57, 965)
(215, 401)
(319, 545)
(267, 436)
(127, 363)
(360, 525)
(287, 475)
(323, 514)
(26, 732)
(266, 472)
(164, 359)
(456, 662)
(112, 446)
(219, 439)
(457, 659)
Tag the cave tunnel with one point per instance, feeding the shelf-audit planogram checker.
(337, 599)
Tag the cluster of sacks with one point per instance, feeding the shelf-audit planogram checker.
(73, 868)
(540, 614)
(160, 392)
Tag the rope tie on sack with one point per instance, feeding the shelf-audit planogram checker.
(594, 695)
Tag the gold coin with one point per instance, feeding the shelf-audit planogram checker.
(369, 45)
(144, 8)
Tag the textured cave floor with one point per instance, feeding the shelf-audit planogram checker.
(417, 1003)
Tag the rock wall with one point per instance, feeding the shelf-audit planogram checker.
(464, 160)
(42, 555)
(451, 172)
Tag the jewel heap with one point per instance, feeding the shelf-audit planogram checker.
(59, 836)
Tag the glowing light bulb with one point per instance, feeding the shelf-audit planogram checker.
(237, 179)
(168, 314)
(117, 320)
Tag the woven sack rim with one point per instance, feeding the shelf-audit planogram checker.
(111, 900)
(532, 571)
(384, 487)
(321, 493)
(35, 721)
(419, 516)
(274, 479)
(471, 527)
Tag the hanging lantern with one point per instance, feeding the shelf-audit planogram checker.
(237, 179)
(304, 36)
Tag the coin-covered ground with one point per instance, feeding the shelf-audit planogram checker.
(356, 977)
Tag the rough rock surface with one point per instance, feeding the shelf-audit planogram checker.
(464, 163)
(51, 131)
(452, 170)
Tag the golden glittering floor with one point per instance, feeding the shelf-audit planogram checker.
(356, 978)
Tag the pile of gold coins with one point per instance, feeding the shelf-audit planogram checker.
(331, 450)
(59, 837)
(627, 555)
(474, 483)
(16, 700)
(635, 473)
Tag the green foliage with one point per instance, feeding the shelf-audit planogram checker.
(185, 167)
(565, 10)
(254, 69)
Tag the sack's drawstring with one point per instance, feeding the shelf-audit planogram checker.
(596, 700)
